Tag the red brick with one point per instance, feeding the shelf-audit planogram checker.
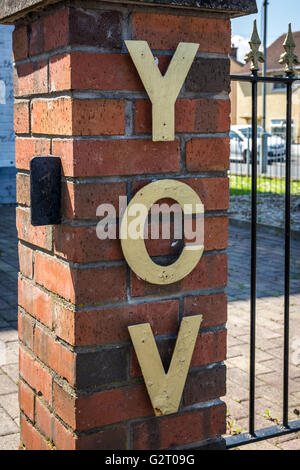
(26, 260)
(36, 302)
(102, 408)
(177, 430)
(37, 45)
(52, 116)
(31, 78)
(56, 276)
(70, 26)
(191, 115)
(210, 348)
(96, 117)
(81, 245)
(215, 238)
(28, 148)
(55, 355)
(36, 375)
(207, 383)
(64, 116)
(112, 406)
(166, 31)
(213, 192)
(60, 72)
(50, 32)
(211, 271)
(62, 437)
(64, 323)
(106, 72)
(39, 236)
(20, 43)
(31, 438)
(80, 285)
(110, 439)
(91, 327)
(215, 233)
(101, 285)
(162, 246)
(207, 154)
(26, 400)
(25, 328)
(212, 307)
(130, 157)
(43, 419)
(21, 117)
(56, 29)
(23, 189)
(97, 28)
(65, 405)
(80, 201)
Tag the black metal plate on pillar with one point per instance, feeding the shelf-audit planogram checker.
(45, 190)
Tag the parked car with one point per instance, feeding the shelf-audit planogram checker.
(241, 142)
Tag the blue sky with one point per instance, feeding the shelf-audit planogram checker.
(280, 14)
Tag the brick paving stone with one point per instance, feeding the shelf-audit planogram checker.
(12, 370)
(7, 424)
(291, 445)
(12, 352)
(7, 385)
(3, 304)
(236, 392)
(269, 329)
(8, 334)
(232, 341)
(264, 445)
(242, 362)
(9, 315)
(10, 404)
(10, 442)
(3, 323)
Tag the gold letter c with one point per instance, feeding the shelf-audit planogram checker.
(135, 250)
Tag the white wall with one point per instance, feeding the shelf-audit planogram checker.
(7, 141)
(7, 158)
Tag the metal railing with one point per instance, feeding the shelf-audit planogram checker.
(254, 165)
(270, 163)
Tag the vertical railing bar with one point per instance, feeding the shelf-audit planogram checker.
(287, 254)
(253, 258)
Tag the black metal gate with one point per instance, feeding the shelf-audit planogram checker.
(289, 59)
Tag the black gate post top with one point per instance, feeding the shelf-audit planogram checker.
(11, 11)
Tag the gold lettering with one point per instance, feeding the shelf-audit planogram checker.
(165, 390)
(134, 248)
(162, 90)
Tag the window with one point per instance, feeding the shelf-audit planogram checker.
(278, 86)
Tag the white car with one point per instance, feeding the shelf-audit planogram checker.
(241, 141)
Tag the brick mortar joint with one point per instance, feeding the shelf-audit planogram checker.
(47, 55)
(105, 346)
(134, 300)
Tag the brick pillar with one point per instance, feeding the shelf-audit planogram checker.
(79, 97)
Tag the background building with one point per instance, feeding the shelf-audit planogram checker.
(276, 93)
(7, 146)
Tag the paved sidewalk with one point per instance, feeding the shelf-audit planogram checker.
(269, 334)
(9, 410)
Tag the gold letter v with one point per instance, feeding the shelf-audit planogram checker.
(165, 390)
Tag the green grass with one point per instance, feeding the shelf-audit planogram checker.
(241, 185)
